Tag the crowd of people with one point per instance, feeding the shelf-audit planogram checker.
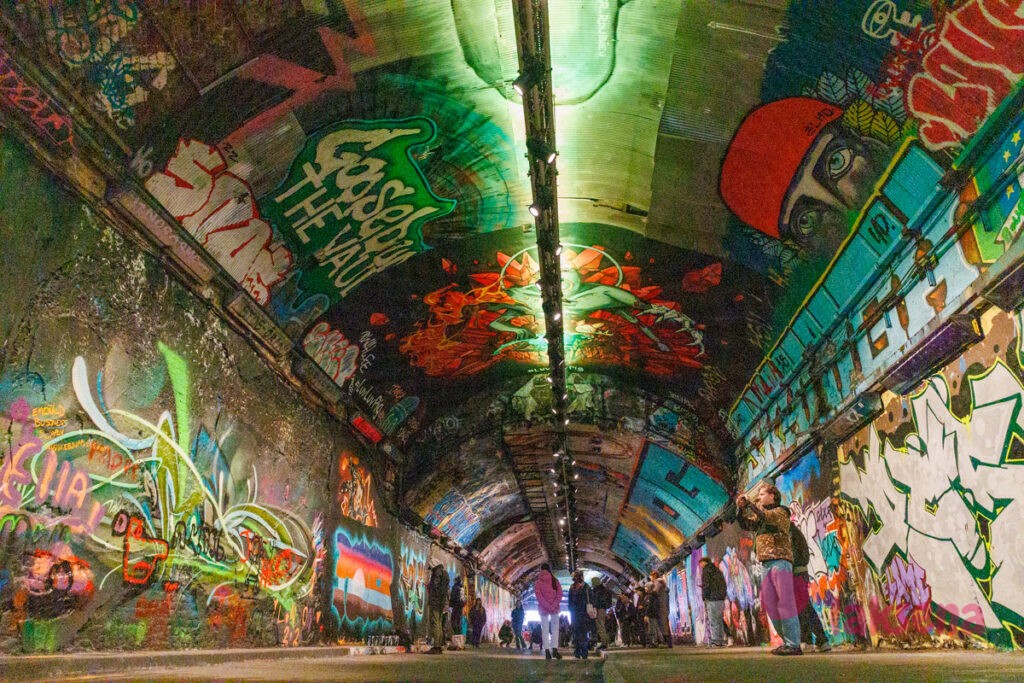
(640, 616)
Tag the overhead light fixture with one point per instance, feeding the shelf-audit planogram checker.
(541, 201)
(530, 76)
(524, 82)
(540, 149)
(566, 421)
(557, 316)
(558, 250)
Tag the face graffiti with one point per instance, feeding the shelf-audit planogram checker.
(805, 192)
(835, 179)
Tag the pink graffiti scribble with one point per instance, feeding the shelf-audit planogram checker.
(219, 209)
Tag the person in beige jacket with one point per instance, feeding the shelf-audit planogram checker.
(769, 521)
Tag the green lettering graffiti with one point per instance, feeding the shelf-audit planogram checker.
(355, 202)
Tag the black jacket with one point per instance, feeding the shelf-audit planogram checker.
(437, 590)
(517, 618)
(712, 582)
(579, 595)
(602, 597)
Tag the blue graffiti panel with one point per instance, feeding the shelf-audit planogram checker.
(674, 491)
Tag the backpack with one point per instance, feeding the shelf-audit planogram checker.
(801, 553)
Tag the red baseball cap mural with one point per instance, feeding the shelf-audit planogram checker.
(765, 156)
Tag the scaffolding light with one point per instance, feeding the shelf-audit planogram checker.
(540, 149)
(542, 200)
(524, 82)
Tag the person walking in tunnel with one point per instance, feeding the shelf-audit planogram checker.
(661, 591)
(611, 624)
(625, 612)
(458, 603)
(655, 636)
(477, 621)
(602, 602)
(437, 602)
(811, 630)
(713, 591)
(518, 614)
(640, 622)
(549, 601)
(581, 603)
(769, 521)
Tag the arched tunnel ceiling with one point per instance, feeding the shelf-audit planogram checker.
(360, 168)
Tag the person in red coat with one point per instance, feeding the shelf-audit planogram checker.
(548, 591)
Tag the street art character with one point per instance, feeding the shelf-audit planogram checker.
(797, 172)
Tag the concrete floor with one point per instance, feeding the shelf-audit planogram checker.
(490, 664)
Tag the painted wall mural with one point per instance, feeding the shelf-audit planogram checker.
(355, 201)
(934, 71)
(933, 480)
(463, 494)
(908, 521)
(159, 512)
(497, 603)
(680, 619)
(364, 571)
(809, 489)
(355, 490)
(669, 499)
(137, 507)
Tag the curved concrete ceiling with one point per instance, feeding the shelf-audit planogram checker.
(360, 167)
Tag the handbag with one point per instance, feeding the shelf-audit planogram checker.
(591, 610)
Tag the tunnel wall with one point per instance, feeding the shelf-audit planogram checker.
(911, 520)
(160, 487)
